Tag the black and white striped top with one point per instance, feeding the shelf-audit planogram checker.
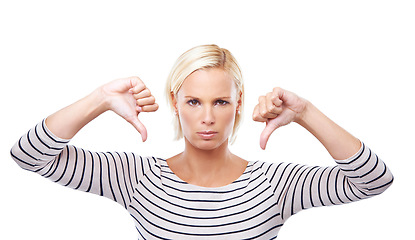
(255, 206)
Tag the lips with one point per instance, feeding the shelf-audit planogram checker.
(208, 134)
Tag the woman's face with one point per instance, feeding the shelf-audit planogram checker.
(207, 103)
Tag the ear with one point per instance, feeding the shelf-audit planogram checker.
(239, 101)
(174, 102)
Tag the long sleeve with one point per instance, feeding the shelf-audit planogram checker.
(297, 187)
(112, 175)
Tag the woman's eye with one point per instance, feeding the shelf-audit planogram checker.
(193, 102)
(221, 102)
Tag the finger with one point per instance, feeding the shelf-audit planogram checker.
(265, 109)
(132, 81)
(256, 116)
(273, 110)
(150, 108)
(143, 94)
(137, 85)
(266, 133)
(146, 101)
(124, 83)
(139, 127)
(278, 92)
(262, 107)
(276, 97)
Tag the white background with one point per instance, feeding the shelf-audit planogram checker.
(355, 60)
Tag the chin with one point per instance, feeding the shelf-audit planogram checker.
(207, 145)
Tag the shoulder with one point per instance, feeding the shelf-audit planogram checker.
(266, 166)
(271, 169)
(140, 164)
(151, 162)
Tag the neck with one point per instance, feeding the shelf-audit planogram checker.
(208, 168)
(206, 162)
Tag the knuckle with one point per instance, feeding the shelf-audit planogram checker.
(256, 118)
(255, 114)
(146, 93)
(141, 86)
(276, 89)
(137, 81)
(134, 81)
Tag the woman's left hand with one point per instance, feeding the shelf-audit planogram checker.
(278, 108)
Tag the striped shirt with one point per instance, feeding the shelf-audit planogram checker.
(255, 206)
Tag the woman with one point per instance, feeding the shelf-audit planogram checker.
(204, 192)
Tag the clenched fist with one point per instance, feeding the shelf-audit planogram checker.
(277, 108)
(127, 97)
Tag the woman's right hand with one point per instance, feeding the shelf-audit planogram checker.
(127, 97)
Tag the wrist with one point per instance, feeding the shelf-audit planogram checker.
(306, 112)
(101, 99)
(312, 119)
(338, 142)
(66, 122)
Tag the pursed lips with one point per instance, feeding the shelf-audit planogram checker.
(207, 134)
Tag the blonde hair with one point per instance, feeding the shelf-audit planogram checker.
(204, 57)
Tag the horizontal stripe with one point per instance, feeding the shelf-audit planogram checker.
(255, 206)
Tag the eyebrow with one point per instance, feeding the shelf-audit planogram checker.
(215, 98)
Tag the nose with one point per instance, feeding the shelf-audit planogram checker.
(208, 117)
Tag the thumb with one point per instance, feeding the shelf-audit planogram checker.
(140, 128)
(266, 133)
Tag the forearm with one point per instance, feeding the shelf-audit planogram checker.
(42, 152)
(66, 122)
(338, 142)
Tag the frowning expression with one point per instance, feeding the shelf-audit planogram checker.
(207, 103)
